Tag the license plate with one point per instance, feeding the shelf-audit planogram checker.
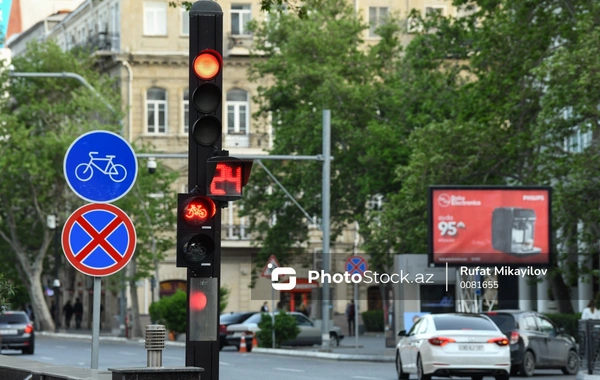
(470, 347)
(8, 332)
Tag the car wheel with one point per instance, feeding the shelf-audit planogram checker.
(476, 377)
(28, 351)
(334, 341)
(237, 347)
(502, 377)
(572, 364)
(399, 371)
(420, 374)
(528, 366)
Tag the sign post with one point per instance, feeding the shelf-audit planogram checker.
(272, 263)
(356, 265)
(99, 239)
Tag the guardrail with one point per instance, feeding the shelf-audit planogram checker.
(589, 345)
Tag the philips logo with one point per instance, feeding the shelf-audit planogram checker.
(276, 272)
(533, 198)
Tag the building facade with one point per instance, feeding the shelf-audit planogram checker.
(146, 45)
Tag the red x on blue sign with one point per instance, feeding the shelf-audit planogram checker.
(356, 265)
(98, 239)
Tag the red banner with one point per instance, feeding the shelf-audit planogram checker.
(494, 226)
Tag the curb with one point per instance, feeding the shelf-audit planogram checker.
(104, 338)
(583, 375)
(323, 355)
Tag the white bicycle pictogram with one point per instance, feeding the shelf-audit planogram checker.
(85, 171)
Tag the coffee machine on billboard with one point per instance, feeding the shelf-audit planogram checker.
(513, 231)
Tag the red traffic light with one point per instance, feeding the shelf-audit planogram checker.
(198, 301)
(207, 64)
(198, 210)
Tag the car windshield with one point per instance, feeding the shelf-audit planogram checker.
(463, 322)
(254, 319)
(232, 318)
(505, 322)
(13, 319)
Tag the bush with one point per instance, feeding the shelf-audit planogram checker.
(171, 312)
(373, 320)
(568, 321)
(285, 329)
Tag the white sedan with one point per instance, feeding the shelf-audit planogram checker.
(467, 345)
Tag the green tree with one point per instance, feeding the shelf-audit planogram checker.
(151, 205)
(286, 329)
(518, 81)
(39, 120)
(296, 84)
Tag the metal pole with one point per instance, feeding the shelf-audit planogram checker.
(96, 322)
(325, 222)
(123, 305)
(57, 308)
(273, 317)
(356, 316)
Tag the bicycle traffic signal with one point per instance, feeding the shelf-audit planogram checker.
(196, 240)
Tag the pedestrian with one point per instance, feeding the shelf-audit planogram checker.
(68, 312)
(303, 309)
(590, 312)
(264, 308)
(78, 310)
(350, 314)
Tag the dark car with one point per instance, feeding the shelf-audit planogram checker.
(16, 332)
(536, 342)
(230, 319)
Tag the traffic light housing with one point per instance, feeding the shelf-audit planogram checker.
(196, 231)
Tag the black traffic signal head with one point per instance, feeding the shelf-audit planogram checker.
(227, 176)
(196, 243)
(205, 86)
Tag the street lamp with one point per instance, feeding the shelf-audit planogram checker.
(51, 222)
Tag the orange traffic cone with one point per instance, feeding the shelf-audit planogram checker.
(254, 342)
(243, 343)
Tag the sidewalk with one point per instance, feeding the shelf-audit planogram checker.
(583, 375)
(370, 348)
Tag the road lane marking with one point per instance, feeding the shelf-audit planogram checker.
(366, 378)
(172, 357)
(47, 358)
(288, 369)
(61, 347)
(127, 353)
(223, 363)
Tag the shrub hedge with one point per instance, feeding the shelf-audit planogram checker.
(373, 320)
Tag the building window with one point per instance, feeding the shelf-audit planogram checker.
(156, 104)
(185, 22)
(430, 10)
(186, 110)
(237, 112)
(241, 14)
(155, 19)
(377, 17)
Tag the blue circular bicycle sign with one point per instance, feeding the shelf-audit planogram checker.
(100, 166)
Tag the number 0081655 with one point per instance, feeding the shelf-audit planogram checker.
(489, 284)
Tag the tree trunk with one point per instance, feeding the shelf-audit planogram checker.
(136, 328)
(561, 293)
(43, 319)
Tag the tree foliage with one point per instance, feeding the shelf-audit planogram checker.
(494, 96)
(39, 119)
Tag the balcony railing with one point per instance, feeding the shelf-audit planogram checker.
(250, 140)
(235, 232)
(239, 44)
(103, 41)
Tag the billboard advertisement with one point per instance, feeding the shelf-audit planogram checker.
(489, 225)
(4, 18)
